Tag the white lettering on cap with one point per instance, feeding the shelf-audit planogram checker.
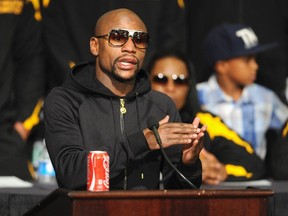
(248, 36)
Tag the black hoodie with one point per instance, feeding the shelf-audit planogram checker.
(83, 115)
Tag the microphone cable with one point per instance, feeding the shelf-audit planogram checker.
(153, 125)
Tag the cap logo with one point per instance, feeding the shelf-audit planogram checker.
(248, 36)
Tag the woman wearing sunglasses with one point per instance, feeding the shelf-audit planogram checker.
(105, 105)
(223, 159)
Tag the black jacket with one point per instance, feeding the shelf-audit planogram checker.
(21, 62)
(83, 115)
(21, 82)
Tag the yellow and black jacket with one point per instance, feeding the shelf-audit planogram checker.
(240, 159)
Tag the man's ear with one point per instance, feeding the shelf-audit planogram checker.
(221, 66)
(94, 46)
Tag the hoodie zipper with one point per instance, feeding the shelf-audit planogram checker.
(122, 112)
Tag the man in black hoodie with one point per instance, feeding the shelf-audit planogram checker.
(105, 105)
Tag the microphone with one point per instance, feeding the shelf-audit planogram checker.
(153, 125)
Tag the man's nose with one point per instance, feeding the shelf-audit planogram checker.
(129, 45)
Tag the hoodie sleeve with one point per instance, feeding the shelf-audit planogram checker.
(64, 141)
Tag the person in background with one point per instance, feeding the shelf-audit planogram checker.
(21, 85)
(226, 156)
(269, 20)
(231, 92)
(104, 105)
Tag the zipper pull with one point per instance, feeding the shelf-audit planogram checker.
(122, 106)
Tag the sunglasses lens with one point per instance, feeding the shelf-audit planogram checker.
(118, 37)
(178, 80)
(160, 79)
(141, 39)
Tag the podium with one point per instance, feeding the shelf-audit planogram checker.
(248, 202)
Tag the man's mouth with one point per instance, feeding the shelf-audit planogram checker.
(127, 63)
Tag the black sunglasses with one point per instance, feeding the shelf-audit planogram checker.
(177, 79)
(118, 37)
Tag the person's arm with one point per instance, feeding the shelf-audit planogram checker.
(29, 75)
(213, 172)
(183, 142)
(190, 165)
(64, 142)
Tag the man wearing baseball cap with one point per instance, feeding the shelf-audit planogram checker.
(248, 108)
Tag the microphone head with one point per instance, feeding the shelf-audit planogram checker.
(152, 122)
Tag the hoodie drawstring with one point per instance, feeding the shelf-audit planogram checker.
(113, 114)
(138, 119)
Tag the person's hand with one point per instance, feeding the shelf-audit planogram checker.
(213, 172)
(191, 151)
(19, 127)
(188, 135)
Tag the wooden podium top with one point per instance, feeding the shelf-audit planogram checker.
(165, 194)
(155, 202)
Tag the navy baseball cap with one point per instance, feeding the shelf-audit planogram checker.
(232, 40)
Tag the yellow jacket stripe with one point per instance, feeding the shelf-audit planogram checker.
(34, 119)
(217, 128)
(181, 3)
(237, 171)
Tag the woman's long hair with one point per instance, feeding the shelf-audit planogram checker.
(191, 106)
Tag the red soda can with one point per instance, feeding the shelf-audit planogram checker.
(98, 171)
